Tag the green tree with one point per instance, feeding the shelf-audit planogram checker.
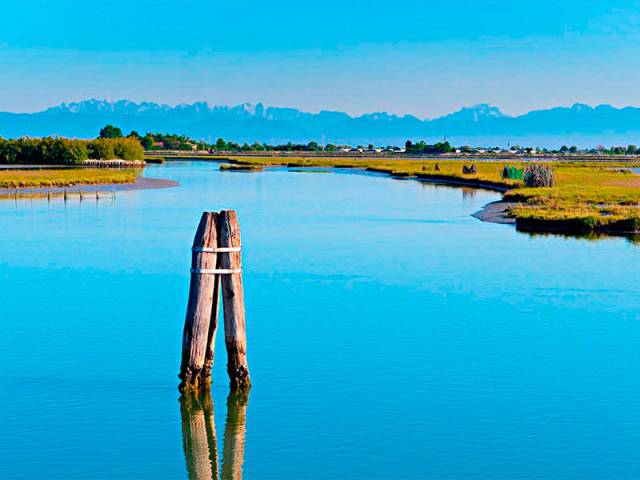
(101, 149)
(109, 131)
(147, 142)
(76, 151)
(61, 151)
(128, 149)
(221, 145)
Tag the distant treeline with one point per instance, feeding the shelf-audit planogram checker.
(166, 141)
(422, 147)
(59, 151)
(112, 144)
(222, 145)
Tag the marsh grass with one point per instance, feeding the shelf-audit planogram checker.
(538, 175)
(65, 177)
(240, 168)
(585, 196)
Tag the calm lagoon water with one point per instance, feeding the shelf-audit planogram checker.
(391, 335)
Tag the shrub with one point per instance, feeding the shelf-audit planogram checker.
(101, 149)
(42, 151)
(76, 151)
(538, 175)
(128, 149)
(61, 151)
(112, 148)
(470, 170)
(512, 172)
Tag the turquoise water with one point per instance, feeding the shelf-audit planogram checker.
(390, 335)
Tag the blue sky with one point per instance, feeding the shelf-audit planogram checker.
(420, 57)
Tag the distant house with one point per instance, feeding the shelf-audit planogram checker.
(158, 144)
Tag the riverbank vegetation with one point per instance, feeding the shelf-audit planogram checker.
(166, 141)
(172, 142)
(62, 151)
(585, 196)
(65, 177)
(233, 167)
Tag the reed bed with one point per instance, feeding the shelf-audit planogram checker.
(65, 178)
(568, 196)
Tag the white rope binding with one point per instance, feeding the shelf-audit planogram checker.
(216, 250)
(215, 271)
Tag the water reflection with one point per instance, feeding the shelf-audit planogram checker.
(58, 194)
(469, 194)
(199, 436)
(632, 238)
(234, 430)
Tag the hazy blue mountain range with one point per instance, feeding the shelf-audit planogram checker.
(580, 125)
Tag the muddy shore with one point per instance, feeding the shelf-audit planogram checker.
(141, 183)
(496, 212)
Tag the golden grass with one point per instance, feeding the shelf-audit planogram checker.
(65, 177)
(244, 168)
(587, 196)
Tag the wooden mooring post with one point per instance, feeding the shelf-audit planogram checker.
(235, 333)
(216, 266)
(200, 305)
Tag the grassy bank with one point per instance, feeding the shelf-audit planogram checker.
(64, 178)
(239, 167)
(587, 196)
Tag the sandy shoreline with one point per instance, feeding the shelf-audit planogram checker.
(496, 212)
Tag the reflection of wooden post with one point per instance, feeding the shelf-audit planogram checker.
(196, 328)
(235, 334)
(234, 435)
(199, 436)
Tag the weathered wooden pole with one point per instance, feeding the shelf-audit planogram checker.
(213, 327)
(196, 333)
(199, 435)
(235, 333)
